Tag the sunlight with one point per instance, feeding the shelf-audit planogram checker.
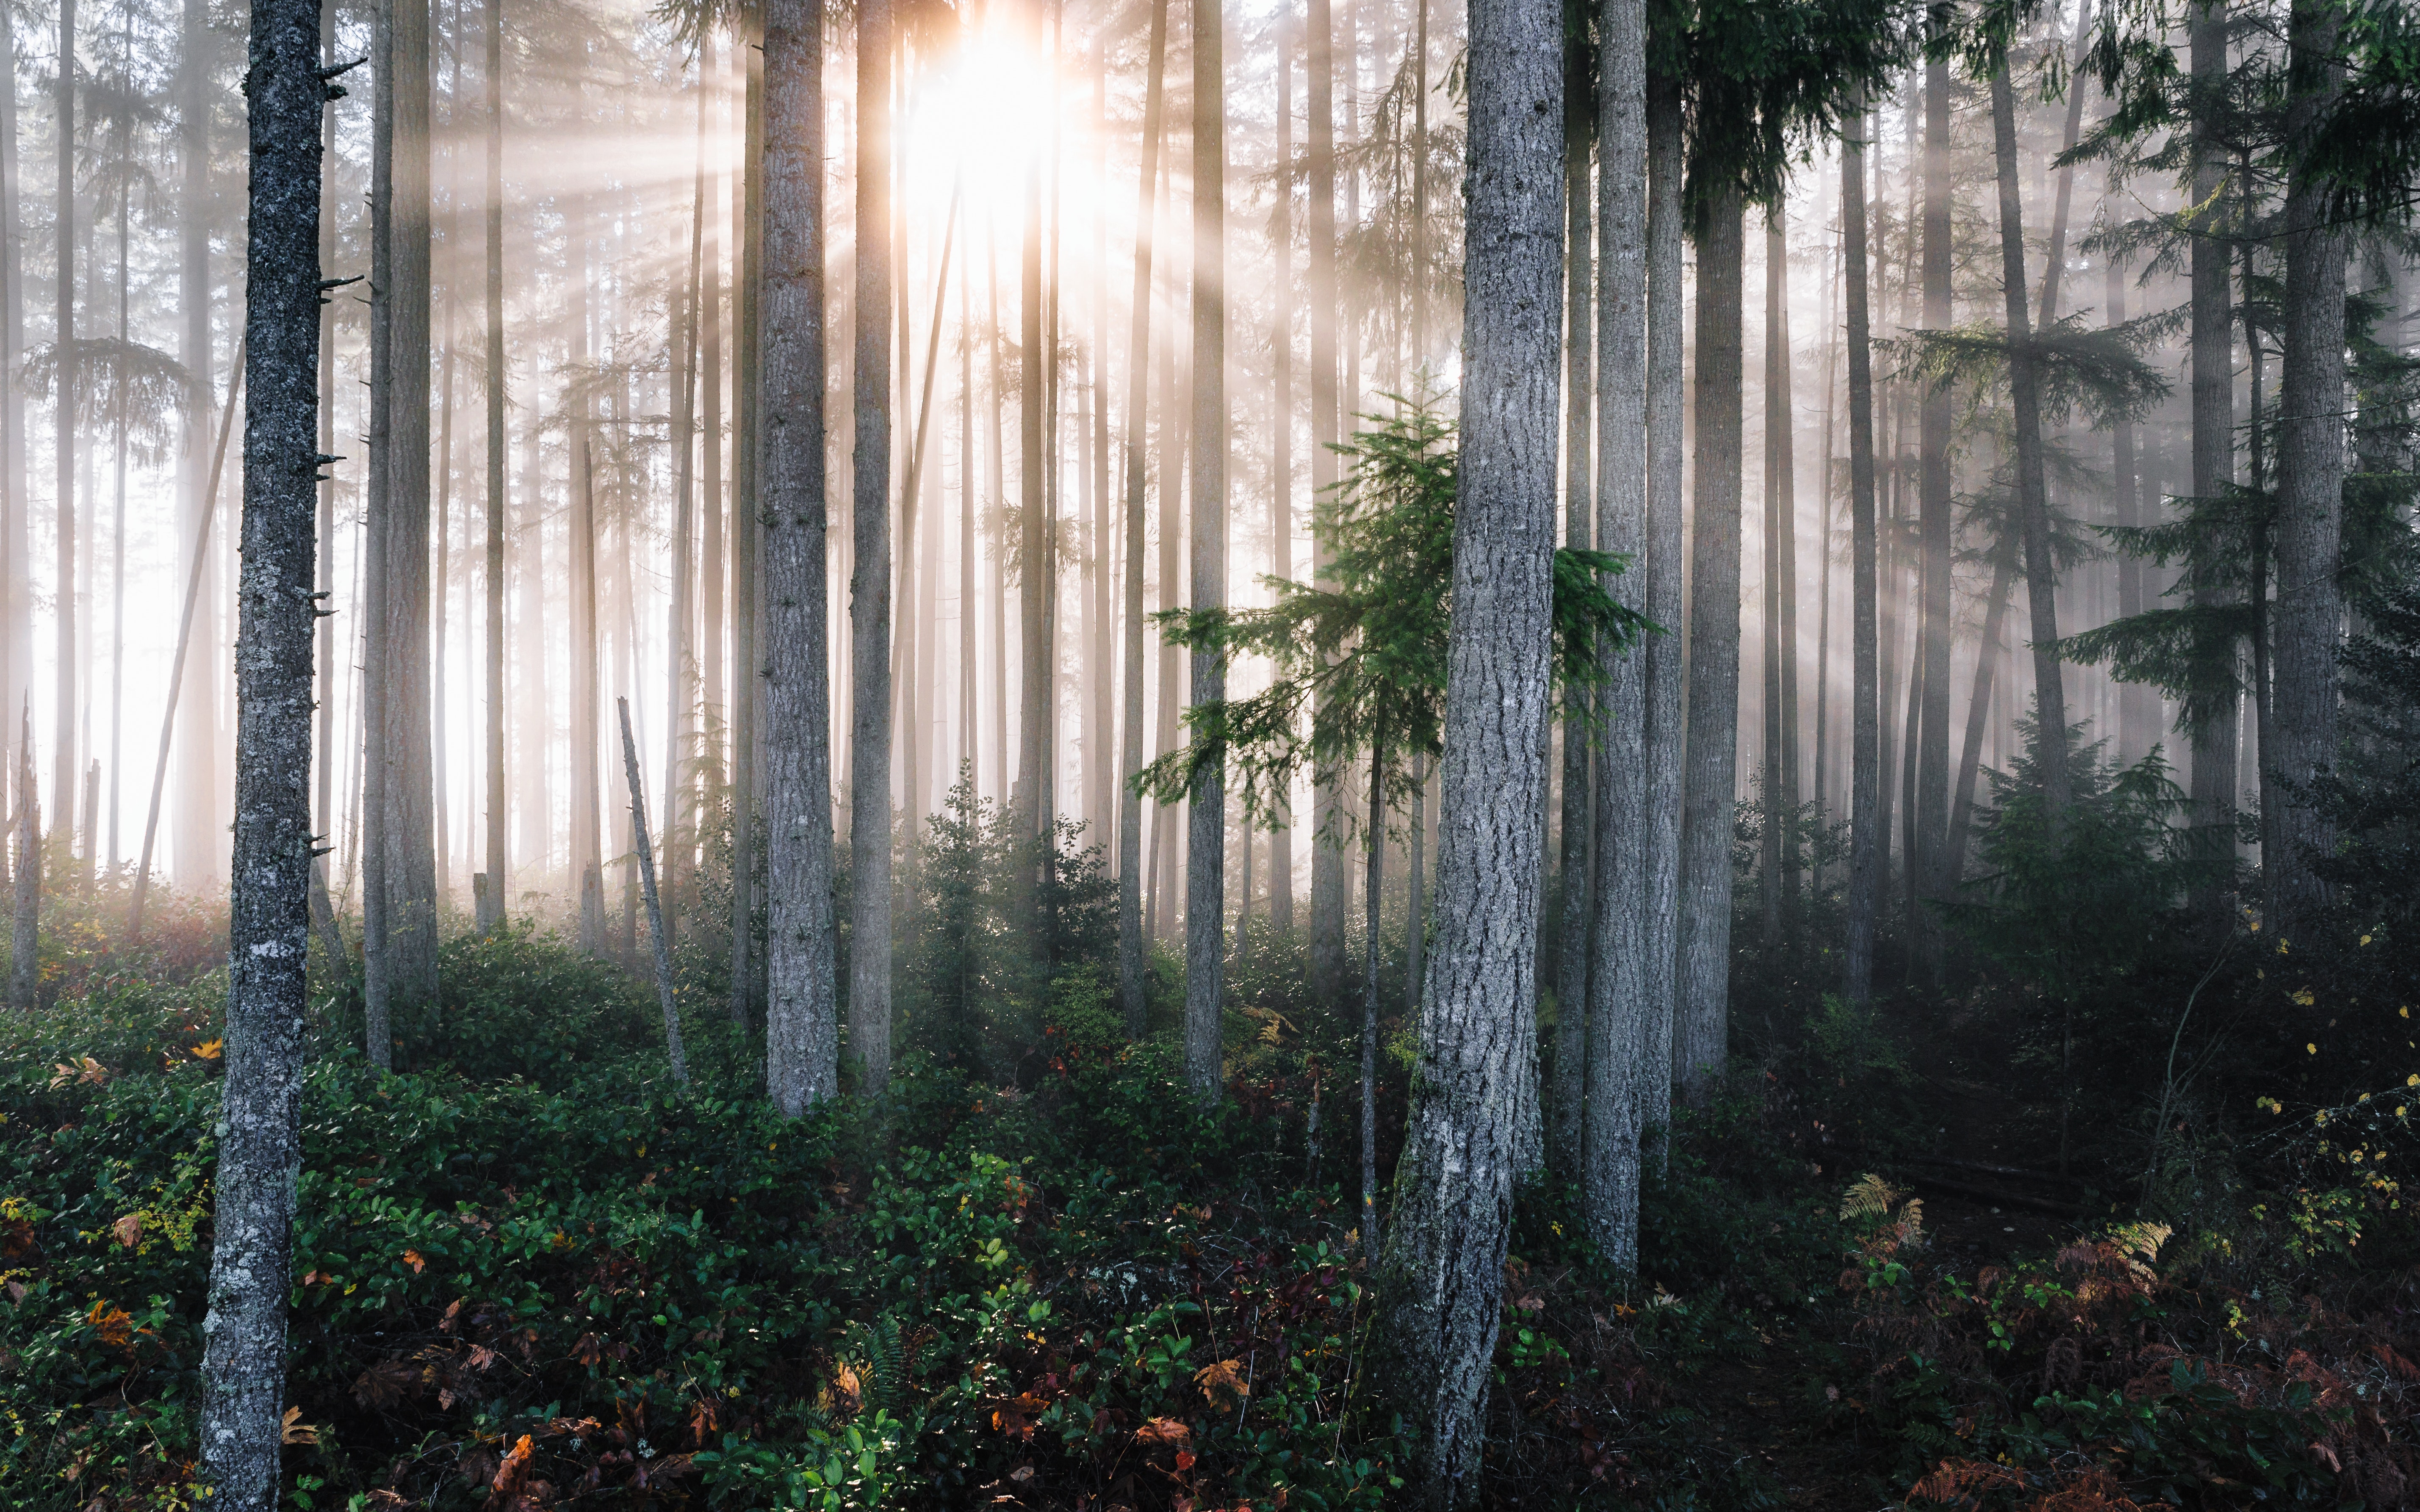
(979, 123)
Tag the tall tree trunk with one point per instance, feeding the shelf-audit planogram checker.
(406, 829)
(1441, 1273)
(1035, 702)
(24, 939)
(1667, 669)
(2299, 725)
(196, 839)
(1618, 927)
(747, 611)
(869, 588)
(1866, 859)
(1572, 963)
(1130, 920)
(680, 647)
(16, 526)
(1701, 1004)
(1777, 434)
(1928, 860)
(2137, 702)
(2033, 503)
(65, 382)
(1281, 443)
(1374, 855)
(1327, 878)
(1979, 707)
(639, 842)
(260, 1132)
(715, 698)
(802, 1039)
(492, 902)
(2213, 739)
(1205, 869)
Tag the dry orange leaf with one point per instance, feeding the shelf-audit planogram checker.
(1227, 1373)
(292, 1429)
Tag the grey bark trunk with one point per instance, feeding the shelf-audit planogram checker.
(1927, 819)
(662, 942)
(1376, 858)
(2033, 502)
(1619, 923)
(197, 839)
(259, 1129)
(2212, 318)
(2299, 725)
(869, 588)
(1327, 878)
(1281, 437)
(1978, 709)
(1667, 668)
(1442, 1272)
(1130, 920)
(1572, 960)
(1701, 998)
(24, 940)
(1865, 718)
(491, 900)
(1036, 557)
(747, 610)
(801, 1061)
(409, 829)
(63, 760)
(1205, 850)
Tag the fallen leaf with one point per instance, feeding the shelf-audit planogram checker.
(292, 1429)
(418, 1263)
(210, 1049)
(128, 1230)
(1225, 1373)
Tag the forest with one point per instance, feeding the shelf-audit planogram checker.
(1137, 757)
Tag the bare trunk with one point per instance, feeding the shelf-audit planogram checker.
(491, 911)
(1205, 869)
(869, 588)
(1281, 442)
(259, 1129)
(2299, 725)
(1327, 877)
(801, 1034)
(747, 771)
(1864, 720)
(1701, 1004)
(2212, 317)
(1130, 920)
(655, 902)
(1927, 859)
(1442, 1271)
(1572, 963)
(1618, 925)
(1667, 671)
(2033, 505)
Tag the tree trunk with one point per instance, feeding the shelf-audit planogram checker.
(1205, 869)
(869, 588)
(1777, 432)
(1281, 437)
(1865, 718)
(1130, 921)
(1978, 708)
(680, 648)
(65, 379)
(802, 1035)
(1441, 1274)
(654, 902)
(1927, 821)
(1666, 670)
(1036, 555)
(1327, 877)
(2033, 505)
(714, 699)
(198, 840)
(2299, 725)
(1619, 924)
(2212, 317)
(491, 911)
(24, 943)
(1375, 857)
(1701, 1003)
(1572, 964)
(16, 543)
(260, 1135)
(746, 612)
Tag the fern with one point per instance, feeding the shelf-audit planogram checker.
(1872, 1197)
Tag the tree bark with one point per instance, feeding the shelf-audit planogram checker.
(1282, 438)
(491, 912)
(2299, 725)
(1327, 876)
(1701, 1004)
(2033, 503)
(1619, 924)
(654, 902)
(25, 941)
(1978, 708)
(1442, 1272)
(1864, 720)
(197, 840)
(1928, 819)
(1037, 553)
(869, 588)
(65, 379)
(1572, 961)
(801, 1034)
(747, 603)
(1667, 668)
(1130, 921)
(1205, 850)
(1374, 855)
(2213, 324)
(259, 1130)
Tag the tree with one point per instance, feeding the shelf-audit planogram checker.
(2212, 319)
(1328, 879)
(802, 1037)
(491, 900)
(1864, 720)
(1441, 1270)
(1576, 844)
(260, 1137)
(2300, 730)
(1360, 665)
(869, 588)
(1206, 849)
(1619, 1037)
(1130, 931)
